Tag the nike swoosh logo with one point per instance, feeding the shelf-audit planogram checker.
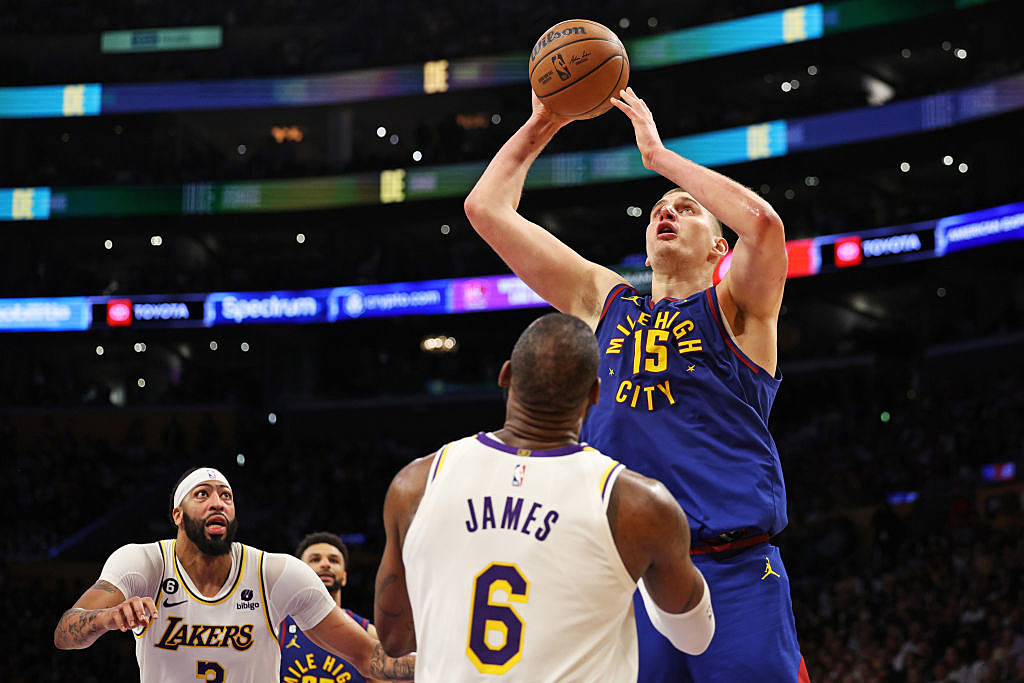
(174, 604)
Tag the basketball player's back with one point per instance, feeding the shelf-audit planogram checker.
(512, 567)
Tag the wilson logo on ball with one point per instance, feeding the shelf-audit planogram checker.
(553, 35)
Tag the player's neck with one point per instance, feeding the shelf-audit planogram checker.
(208, 573)
(337, 596)
(526, 429)
(678, 285)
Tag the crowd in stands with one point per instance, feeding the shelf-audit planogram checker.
(915, 591)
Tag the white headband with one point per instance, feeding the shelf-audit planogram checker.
(195, 479)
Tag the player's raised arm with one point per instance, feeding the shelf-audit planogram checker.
(392, 609)
(653, 538)
(758, 271)
(101, 608)
(562, 277)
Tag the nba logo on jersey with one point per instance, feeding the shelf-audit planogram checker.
(518, 475)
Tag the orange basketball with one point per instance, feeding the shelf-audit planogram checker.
(576, 66)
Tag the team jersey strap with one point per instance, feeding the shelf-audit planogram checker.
(608, 481)
(159, 590)
(438, 463)
(362, 621)
(618, 289)
(263, 594)
(718, 317)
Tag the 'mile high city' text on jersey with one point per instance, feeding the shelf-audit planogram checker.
(512, 569)
(303, 661)
(227, 637)
(681, 403)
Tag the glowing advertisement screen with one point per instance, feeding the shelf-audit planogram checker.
(978, 228)
(388, 300)
(715, 148)
(794, 25)
(162, 39)
(249, 308)
(59, 314)
(151, 311)
(807, 257)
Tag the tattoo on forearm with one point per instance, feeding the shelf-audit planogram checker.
(103, 586)
(79, 628)
(382, 586)
(391, 669)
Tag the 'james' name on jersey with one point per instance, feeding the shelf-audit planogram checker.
(510, 516)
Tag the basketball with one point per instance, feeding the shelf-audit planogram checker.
(575, 66)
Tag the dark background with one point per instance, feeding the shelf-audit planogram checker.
(921, 591)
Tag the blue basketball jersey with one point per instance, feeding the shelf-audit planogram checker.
(681, 403)
(302, 660)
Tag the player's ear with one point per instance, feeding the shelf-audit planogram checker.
(648, 262)
(505, 375)
(595, 392)
(176, 516)
(721, 246)
(344, 578)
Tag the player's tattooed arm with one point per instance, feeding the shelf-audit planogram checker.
(78, 628)
(102, 608)
(392, 609)
(396, 612)
(389, 668)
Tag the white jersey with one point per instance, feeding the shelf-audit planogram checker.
(512, 569)
(229, 637)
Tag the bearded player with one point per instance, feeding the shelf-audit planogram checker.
(301, 659)
(202, 606)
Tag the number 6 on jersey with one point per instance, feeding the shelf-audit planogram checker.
(496, 618)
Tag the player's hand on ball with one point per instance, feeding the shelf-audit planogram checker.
(130, 614)
(648, 141)
(540, 111)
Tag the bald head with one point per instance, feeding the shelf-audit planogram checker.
(554, 363)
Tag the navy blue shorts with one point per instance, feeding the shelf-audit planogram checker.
(755, 633)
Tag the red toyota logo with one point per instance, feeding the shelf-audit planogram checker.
(848, 252)
(119, 312)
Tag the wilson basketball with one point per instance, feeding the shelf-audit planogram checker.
(576, 66)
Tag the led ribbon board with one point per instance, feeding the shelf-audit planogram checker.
(770, 29)
(716, 148)
(807, 257)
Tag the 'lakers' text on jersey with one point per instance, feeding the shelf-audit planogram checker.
(512, 569)
(681, 403)
(303, 661)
